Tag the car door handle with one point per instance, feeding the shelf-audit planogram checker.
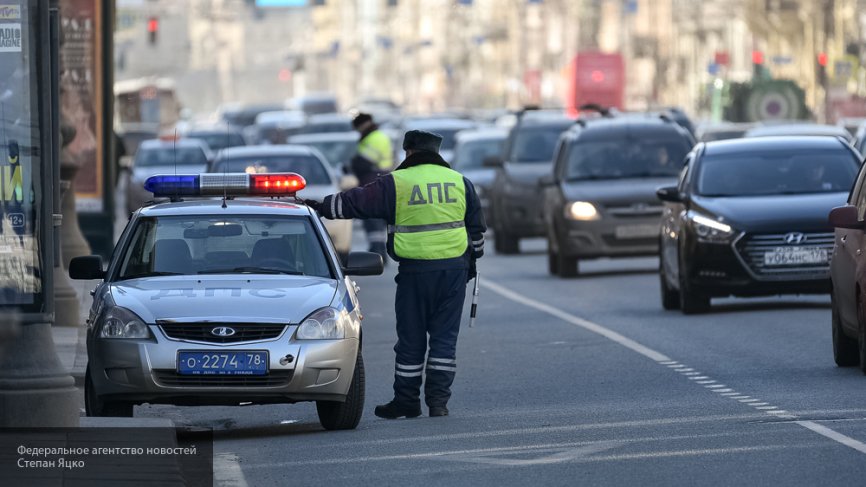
(859, 251)
(843, 239)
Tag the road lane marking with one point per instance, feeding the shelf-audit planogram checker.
(698, 377)
(654, 355)
(227, 471)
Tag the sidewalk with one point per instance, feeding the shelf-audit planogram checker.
(70, 341)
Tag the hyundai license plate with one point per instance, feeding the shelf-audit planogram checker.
(241, 362)
(636, 231)
(782, 256)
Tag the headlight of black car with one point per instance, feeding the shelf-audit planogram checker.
(709, 230)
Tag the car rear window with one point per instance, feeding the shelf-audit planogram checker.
(536, 144)
(626, 158)
(217, 141)
(788, 171)
(308, 166)
(168, 156)
(191, 245)
(471, 155)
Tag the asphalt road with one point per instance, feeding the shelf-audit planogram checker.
(580, 382)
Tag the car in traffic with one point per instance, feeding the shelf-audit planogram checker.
(515, 199)
(275, 127)
(321, 180)
(217, 137)
(157, 156)
(710, 132)
(314, 103)
(444, 126)
(748, 217)
(225, 301)
(338, 149)
(471, 149)
(798, 129)
(327, 122)
(847, 267)
(600, 200)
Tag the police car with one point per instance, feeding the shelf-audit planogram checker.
(230, 293)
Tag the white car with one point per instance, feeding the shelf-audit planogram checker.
(163, 156)
(322, 180)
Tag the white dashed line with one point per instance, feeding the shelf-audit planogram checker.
(663, 359)
(725, 391)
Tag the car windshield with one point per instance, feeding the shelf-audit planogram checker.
(217, 141)
(627, 158)
(536, 144)
(308, 166)
(471, 155)
(192, 245)
(335, 152)
(777, 172)
(169, 156)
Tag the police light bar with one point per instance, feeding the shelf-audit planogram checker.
(231, 184)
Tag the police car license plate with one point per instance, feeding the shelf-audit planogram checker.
(782, 256)
(636, 231)
(241, 362)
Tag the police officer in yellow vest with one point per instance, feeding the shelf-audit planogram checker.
(374, 158)
(435, 232)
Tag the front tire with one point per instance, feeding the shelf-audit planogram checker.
(96, 407)
(505, 244)
(567, 266)
(846, 351)
(691, 302)
(670, 297)
(335, 415)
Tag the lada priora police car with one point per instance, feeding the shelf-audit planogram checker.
(225, 301)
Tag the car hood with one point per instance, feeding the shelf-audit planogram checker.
(528, 173)
(238, 298)
(616, 192)
(480, 177)
(139, 174)
(767, 214)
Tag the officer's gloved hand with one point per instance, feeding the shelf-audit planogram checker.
(316, 205)
(472, 271)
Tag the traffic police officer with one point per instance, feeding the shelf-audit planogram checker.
(374, 158)
(435, 232)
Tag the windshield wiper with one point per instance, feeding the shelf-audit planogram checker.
(151, 274)
(251, 270)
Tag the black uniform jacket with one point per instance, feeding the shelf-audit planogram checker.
(378, 199)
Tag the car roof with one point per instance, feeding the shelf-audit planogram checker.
(214, 206)
(324, 137)
(625, 125)
(180, 143)
(266, 150)
(797, 129)
(800, 142)
(482, 134)
(328, 118)
(439, 123)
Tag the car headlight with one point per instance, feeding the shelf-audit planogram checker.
(123, 323)
(324, 324)
(581, 211)
(709, 230)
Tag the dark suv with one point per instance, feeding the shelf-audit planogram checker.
(528, 155)
(601, 200)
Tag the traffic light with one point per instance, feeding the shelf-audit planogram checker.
(821, 69)
(152, 30)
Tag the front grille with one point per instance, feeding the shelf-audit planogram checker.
(612, 241)
(636, 211)
(751, 250)
(203, 332)
(171, 378)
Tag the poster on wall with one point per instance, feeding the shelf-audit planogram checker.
(81, 98)
(20, 264)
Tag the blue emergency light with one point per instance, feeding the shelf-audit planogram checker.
(219, 184)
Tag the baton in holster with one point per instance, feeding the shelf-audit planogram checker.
(474, 309)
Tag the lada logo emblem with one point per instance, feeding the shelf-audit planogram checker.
(222, 331)
(795, 238)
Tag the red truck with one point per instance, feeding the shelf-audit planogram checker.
(595, 78)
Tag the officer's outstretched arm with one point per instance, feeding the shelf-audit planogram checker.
(374, 200)
(475, 224)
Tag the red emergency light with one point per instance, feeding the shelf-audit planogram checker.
(274, 184)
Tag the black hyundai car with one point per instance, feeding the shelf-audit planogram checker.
(514, 194)
(749, 218)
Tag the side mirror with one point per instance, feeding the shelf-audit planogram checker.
(846, 217)
(492, 161)
(364, 264)
(126, 162)
(547, 180)
(670, 194)
(86, 267)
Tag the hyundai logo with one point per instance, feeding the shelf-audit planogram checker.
(222, 331)
(795, 238)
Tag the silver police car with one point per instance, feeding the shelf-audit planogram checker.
(224, 301)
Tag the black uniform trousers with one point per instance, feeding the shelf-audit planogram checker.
(428, 304)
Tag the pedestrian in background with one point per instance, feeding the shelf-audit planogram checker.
(435, 233)
(373, 158)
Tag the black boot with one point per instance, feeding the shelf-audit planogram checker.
(394, 410)
(436, 411)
